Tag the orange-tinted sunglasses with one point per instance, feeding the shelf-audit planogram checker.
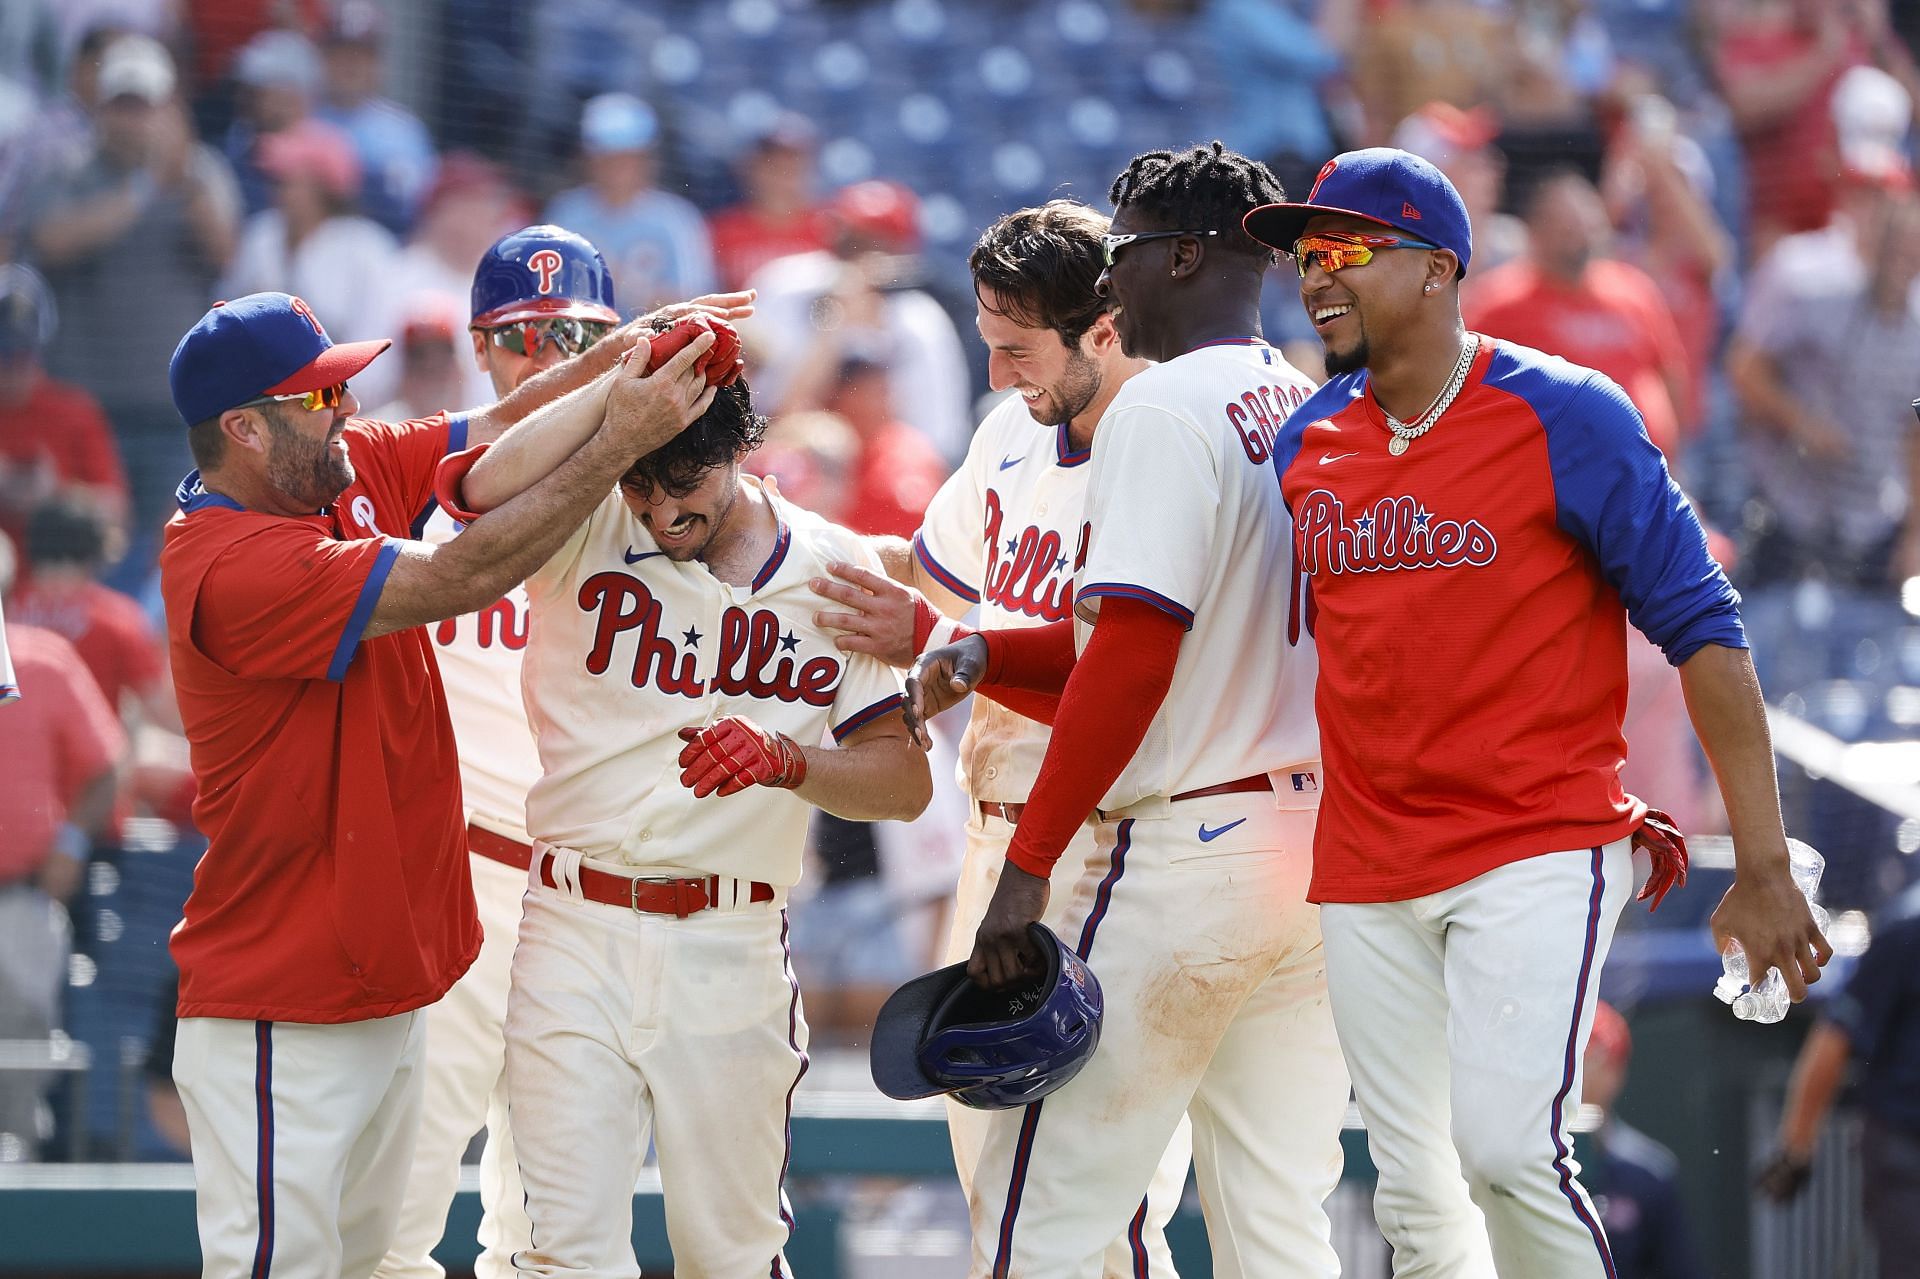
(326, 397)
(1337, 252)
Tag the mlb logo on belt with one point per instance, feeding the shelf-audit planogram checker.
(1306, 782)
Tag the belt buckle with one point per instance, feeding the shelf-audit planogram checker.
(683, 889)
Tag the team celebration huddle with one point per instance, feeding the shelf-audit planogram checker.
(1292, 766)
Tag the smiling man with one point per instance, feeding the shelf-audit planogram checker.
(1006, 532)
(1477, 521)
(333, 903)
(1186, 729)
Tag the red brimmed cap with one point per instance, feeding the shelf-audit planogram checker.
(261, 344)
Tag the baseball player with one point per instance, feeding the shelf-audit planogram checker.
(1188, 731)
(1475, 522)
(542, 297)
(333, 903)
(1004, 533)
(677, 687)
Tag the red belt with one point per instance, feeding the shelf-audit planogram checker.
(1010, 813)
(676, 897)
(498, 848)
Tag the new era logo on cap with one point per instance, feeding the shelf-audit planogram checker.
(1395, 188)
(261, 344)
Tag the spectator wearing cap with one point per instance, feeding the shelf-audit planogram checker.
(1778, 67)
(60, 139)
(430, 363)
(1873, 1029)
(1634, 1180)
(655, 241)
(54, 439)
(469, 206)
(861, 298)
(277, 79)
(1824, 359)
(312, 242)
(1569, 298)
(60, 754)
(395, 150)
(333, 902)
(131, 243)
(780, 215)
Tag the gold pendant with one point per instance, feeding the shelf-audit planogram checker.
(1397, 445)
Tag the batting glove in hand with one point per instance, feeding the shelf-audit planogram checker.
(734, 753)
(721, 363)
(1664, 843)
(1783, 1176)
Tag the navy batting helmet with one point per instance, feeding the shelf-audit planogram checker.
(539, 272)
(992, 1050)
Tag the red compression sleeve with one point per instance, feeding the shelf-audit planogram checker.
(1044, 707)
(1036, 658)
(451, 475)
(1116, 690)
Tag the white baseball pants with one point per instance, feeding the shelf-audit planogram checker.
(1141, 1252)
(466, 1088)
(302, 1137)
(623, 1027)
(1464, 1015)
(1194, 918)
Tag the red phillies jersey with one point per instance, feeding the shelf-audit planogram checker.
(1469, 601)
(335, 885)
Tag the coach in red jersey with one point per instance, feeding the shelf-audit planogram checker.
(1476, 522)
(333, 902)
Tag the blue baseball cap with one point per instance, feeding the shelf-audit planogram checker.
(261, 344)
(1381, 184)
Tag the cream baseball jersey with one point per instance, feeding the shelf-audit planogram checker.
(1005, 532)
(1184, 514)
(629, 647)
(480, 655)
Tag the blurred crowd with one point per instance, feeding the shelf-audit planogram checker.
(1712, 201)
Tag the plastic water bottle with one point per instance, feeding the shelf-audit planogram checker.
(1768, 1001)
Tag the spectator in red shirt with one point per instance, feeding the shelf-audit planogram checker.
(67, 542)
(898, 471)
(780, 215)
(59, 753)
(54, 439)
(1778, 65)
(1567, 299)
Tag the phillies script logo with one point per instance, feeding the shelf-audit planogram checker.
(1397, 532)
(1029, 573)
(755, 657)
(546, 264)
(502, 623)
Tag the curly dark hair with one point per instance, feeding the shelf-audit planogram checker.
(1041, 264)
(1204, 188)
(726, 432)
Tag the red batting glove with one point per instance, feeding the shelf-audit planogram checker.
(721, 363)
(1664, 843)
(734, 753)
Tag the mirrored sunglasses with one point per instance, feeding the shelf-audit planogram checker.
(1337, 252)
(571, 335)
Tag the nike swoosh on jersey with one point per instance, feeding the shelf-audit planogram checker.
(1208, 836)
(1005, 462)
(634, 558)
(1335, 457)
